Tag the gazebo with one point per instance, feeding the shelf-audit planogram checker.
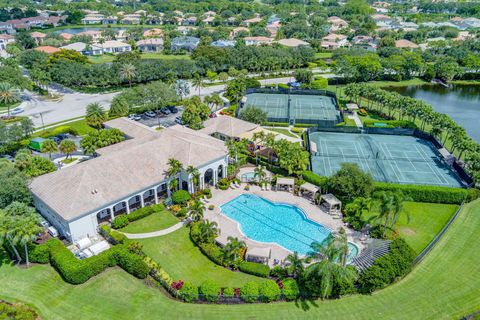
(351, 107)
(309, 188)
(286, 184)
(330, 204)
(259, 255)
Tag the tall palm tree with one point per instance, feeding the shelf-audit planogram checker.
(398, 199)
(128, 72)
(49, 146)
(7, 226)
(8, 95)
(174, 168)
(208, 230)
(198, 83)
(95, 115)
(232, 250)
(197, 210)
(260, 174)
(26, 231)
(296, 266)
(67, 147)
(385, 208)
(194, 174)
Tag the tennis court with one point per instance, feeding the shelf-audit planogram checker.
(389, 158)
(301, 108)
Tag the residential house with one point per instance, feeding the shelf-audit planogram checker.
(209, 20)
(293, 43)
(38, 37)
(66, 36)
(184, 43)
(115, 46)
(236, 31)
(256, 41)
(122, 35)
(252, 21)
(382, 21)
(6, 39)
(223, 43)
(47, 49)
(110, 20)
(150, 45)
(336, 23)
(405, 44)
(189, 21)
(186, 29)
(334, 41)
(94, 34)
(273, 28)
(365, 42)
(153, 33)
(230, 22)
(93, 18)
(83, 48)
(463, 36)
(131, 19)
(133, 175)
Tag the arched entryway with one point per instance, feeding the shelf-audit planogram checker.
(103, 216)
(208, 177)
(185, 185)
(220, 172)
(134, 203)
(119, 208)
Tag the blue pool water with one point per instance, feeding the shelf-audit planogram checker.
(284, 224)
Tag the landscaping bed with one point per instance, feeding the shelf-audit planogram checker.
(156, 221)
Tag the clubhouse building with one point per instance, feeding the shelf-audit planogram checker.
(129, 175)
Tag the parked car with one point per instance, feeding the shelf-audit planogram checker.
(135, 117)
(62, 136)
(52, 231)
(165, 111)
(44, 223)
(150, 114)
(17, 110)
(173, 109)
(179, 120)
(56, 139)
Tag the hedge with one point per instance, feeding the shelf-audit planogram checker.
(290, 289)
(269, 291)
(59, 130)
(188, 292)
(228, 292)
(40, 254)
(249, 292)
(209, 289)
(433, 194)
(254, 268)
(77, 271)
(315, 179)
(180, 197)
(277, 124)
(140, 213)
(112, 236)
(304, 125)
(120, 221)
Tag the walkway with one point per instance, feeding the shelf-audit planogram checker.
(154, 234)
(357, 120)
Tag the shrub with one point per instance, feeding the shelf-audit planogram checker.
(304, 125)
(157, 207)
(433, 194)
(181, 197)
(188, 292)
(249, 292)
(207, 193)
(277, 124)
(40, 253)
(269, 291)
(213, 252)
(297, 130)
(388, 268)
(211, 207)
(130, 262)
(182, 212)
(228, 292)
(223, 184)
(254, 268)
(279, 272)
(140, 213)
(209, 289)
(283, 86)
(120, 221)
(315, 179)
(290, 289)
(362, 112)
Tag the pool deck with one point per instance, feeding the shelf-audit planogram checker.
(229, 227)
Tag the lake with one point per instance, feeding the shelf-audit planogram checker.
(460, 102)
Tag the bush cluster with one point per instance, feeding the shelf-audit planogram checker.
(388, 268)
(189, 292)
(223, 184)
(112, 236)
(290, 289)
(120, 221)
(59, 130)
(181, 197)
(433, 194)
(249, 292)
(315, 179)
(269, 291)
(254, 268)
(145, 212)
(209, 289)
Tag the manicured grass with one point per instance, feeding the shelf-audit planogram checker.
(69, 160)
(79, 125)
(155, 221)
(177, 254)
(284, 132)
(323, 55)
(109, 58)
(443, 286)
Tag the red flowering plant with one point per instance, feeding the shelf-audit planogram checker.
(236, 292)
(280, 284)
(177, 285)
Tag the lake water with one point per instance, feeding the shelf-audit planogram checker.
(460, 102)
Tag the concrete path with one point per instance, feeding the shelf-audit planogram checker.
(158, 233)
(357, 120)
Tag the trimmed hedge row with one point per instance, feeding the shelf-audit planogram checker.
(433, 194)
(257, 269)
(315, 179)
(77, 271)
(145, 212)
(391, 123)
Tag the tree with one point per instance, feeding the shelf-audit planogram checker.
(119, 107)
(25, 40)
(49, 146)
(296, 266)
(196, 211)
(14, 185)
(198, 83)
(182, 88)
(27, 126)
(390, 205)
(351, 182)
(194, 175)
(232, 250)
(67, 55)
(254, 114)
(174, 168)
(208, 231)
(8, 95)
(128, 72)
(67, 147)
(260, 174)
(303, 76)
(447, 68)
(95, 115)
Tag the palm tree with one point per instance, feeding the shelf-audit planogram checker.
(260, 174)
(296, 267)
(95, 115)
(128, 72)
(385, 207)
(232, 249)
(208, 231)
(26, 231)
(6, 230)
(198, 83)
(8, 95)
(196, 211)
(67, 147)
(174, 167)
(194, 174)
(49, 146)
(398, 199)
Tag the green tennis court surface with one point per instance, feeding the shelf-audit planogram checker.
(389, 158)
(302, 107)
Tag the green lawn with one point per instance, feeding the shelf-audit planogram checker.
(155, 221)
(79, 125)
(177, 254)
(109, 58)
(443, 286)
(284, 132)
(323, 55)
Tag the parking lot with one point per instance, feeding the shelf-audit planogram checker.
(161, 119)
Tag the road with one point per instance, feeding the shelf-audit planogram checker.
(74, 104)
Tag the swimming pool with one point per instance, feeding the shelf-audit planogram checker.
(284, 224)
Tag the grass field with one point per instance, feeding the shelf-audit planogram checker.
(284, 132)
(323, 55)
(155, 221)
(443, 286)
(79, 125)
(177, 254)
(109, 58)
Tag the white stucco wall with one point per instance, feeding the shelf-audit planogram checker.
(51, 216)
(83, 227)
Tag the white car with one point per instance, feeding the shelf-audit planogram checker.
(150, 114)
(17, 110)
(44, 223)
(52, 231)
(134, 117)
